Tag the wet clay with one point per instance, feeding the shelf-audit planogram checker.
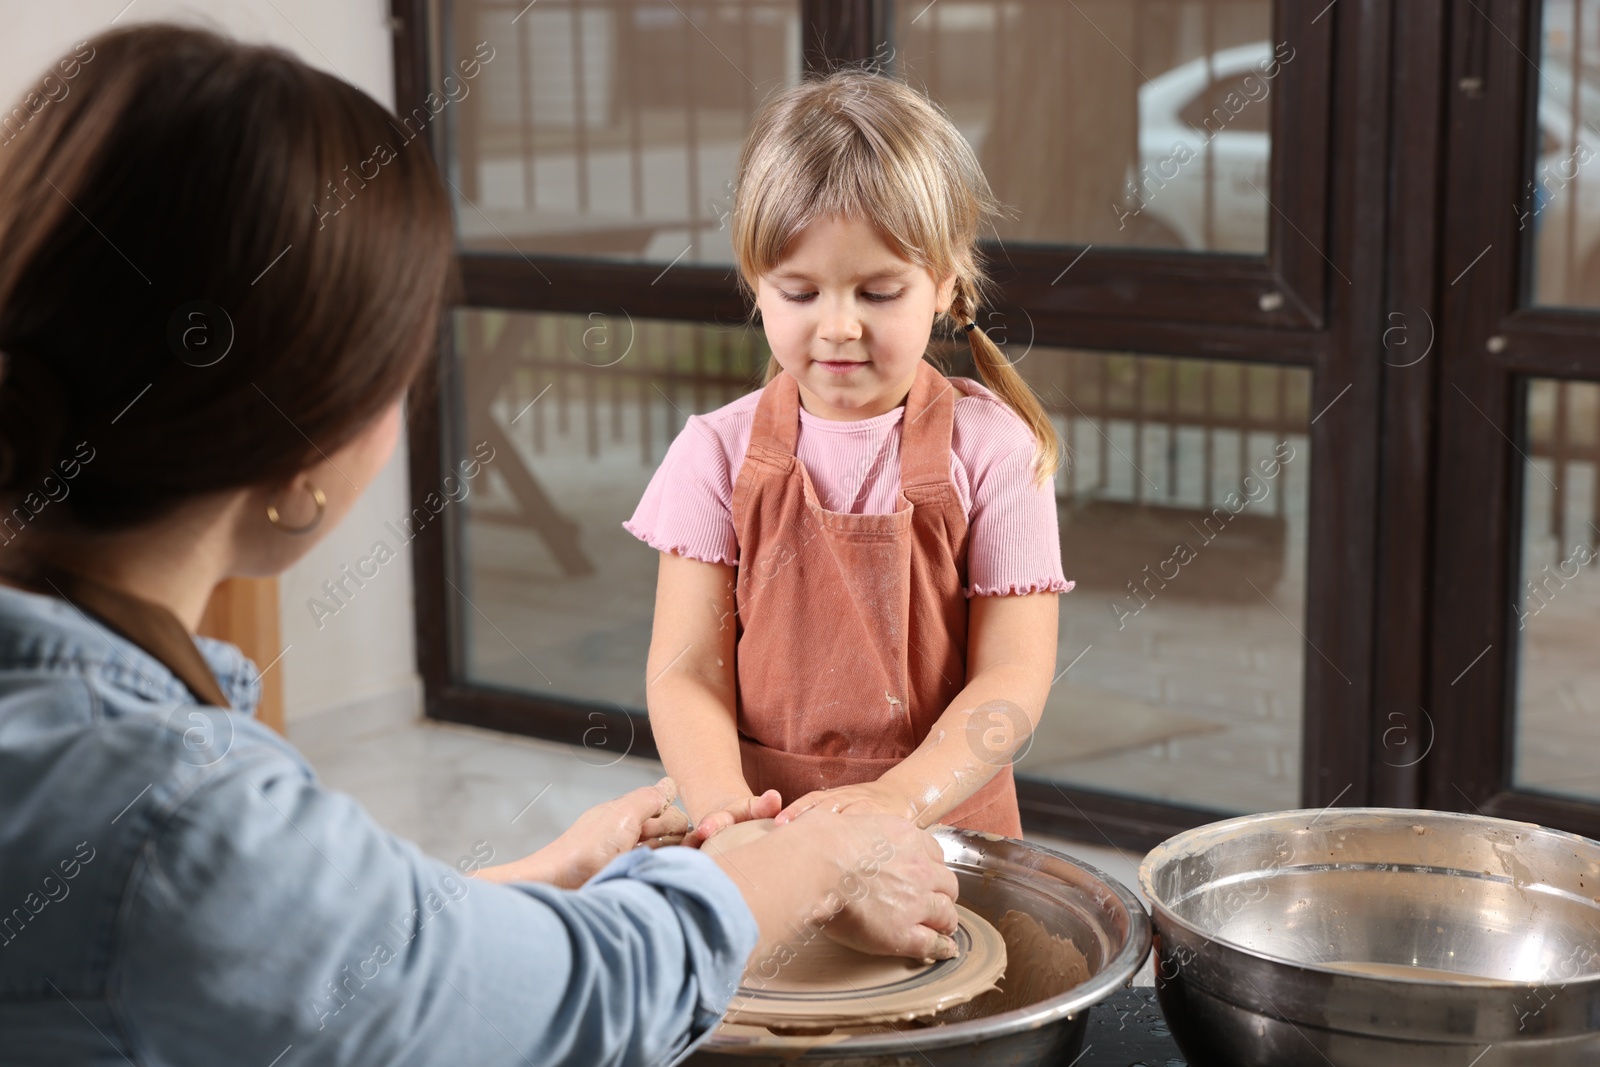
(809, 983)
(1039, 965)
(823, 963)
(820, 985)
(1044, 963)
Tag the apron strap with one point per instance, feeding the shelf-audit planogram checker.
(926, 430)
(777, 420)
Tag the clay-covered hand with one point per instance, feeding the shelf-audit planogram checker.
(867, 798)
(645, 816)
(733, 810)
(874, 883)
(897, 894)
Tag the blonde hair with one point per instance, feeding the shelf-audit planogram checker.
(862, 145)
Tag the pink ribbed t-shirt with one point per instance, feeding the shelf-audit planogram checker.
(1014, 545)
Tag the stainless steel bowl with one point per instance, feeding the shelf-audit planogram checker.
(1104, 920)
(1257, 917)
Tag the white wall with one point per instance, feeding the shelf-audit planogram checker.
(368, 648)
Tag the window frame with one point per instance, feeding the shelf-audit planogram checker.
(1316, 299)
(1493, 342)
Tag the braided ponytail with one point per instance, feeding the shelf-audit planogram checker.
(999, 375)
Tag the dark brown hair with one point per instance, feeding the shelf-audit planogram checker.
(190, 196)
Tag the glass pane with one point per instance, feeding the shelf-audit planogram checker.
(1183, 521)
(579, 411)
(610, 130)
(1560, 207)
(1558, 592)
(1106, 122)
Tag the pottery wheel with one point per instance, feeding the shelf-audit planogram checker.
(824, 985)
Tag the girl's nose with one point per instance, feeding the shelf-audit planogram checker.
(840, 322)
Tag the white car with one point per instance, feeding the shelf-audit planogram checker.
(1205, 150)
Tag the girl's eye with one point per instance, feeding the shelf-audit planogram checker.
(876, 298)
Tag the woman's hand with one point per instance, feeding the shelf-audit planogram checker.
(734, 810)
(645, 816)
(867, 798)
(875, 883)
(899, 896)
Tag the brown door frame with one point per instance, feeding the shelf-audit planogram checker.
(1491, 342)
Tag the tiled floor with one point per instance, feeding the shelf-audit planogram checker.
(1558, 676)
(448, 787)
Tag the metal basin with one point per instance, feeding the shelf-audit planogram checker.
(1104, 921)
(1259, 919)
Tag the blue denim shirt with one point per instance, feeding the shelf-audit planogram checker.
(177, 888)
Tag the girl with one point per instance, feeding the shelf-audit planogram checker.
(814, 641)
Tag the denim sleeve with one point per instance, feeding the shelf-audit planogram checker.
(270, 917)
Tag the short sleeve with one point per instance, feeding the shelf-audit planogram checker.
(270, 912)
(1014, 545)
(687, 508)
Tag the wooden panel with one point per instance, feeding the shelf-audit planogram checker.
(1401, 730)
(244, 612)
(1476, 478)
(1190, 305)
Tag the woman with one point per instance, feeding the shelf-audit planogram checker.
(203, 367)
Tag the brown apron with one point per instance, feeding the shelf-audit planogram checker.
(852, 629)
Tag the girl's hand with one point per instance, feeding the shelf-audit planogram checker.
(867, 798)
(645, 816)
(734, 810)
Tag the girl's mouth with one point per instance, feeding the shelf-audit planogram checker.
(841, 366)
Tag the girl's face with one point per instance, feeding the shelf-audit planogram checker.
(849, 319)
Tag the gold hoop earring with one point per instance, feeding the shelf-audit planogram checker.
(277, 519)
